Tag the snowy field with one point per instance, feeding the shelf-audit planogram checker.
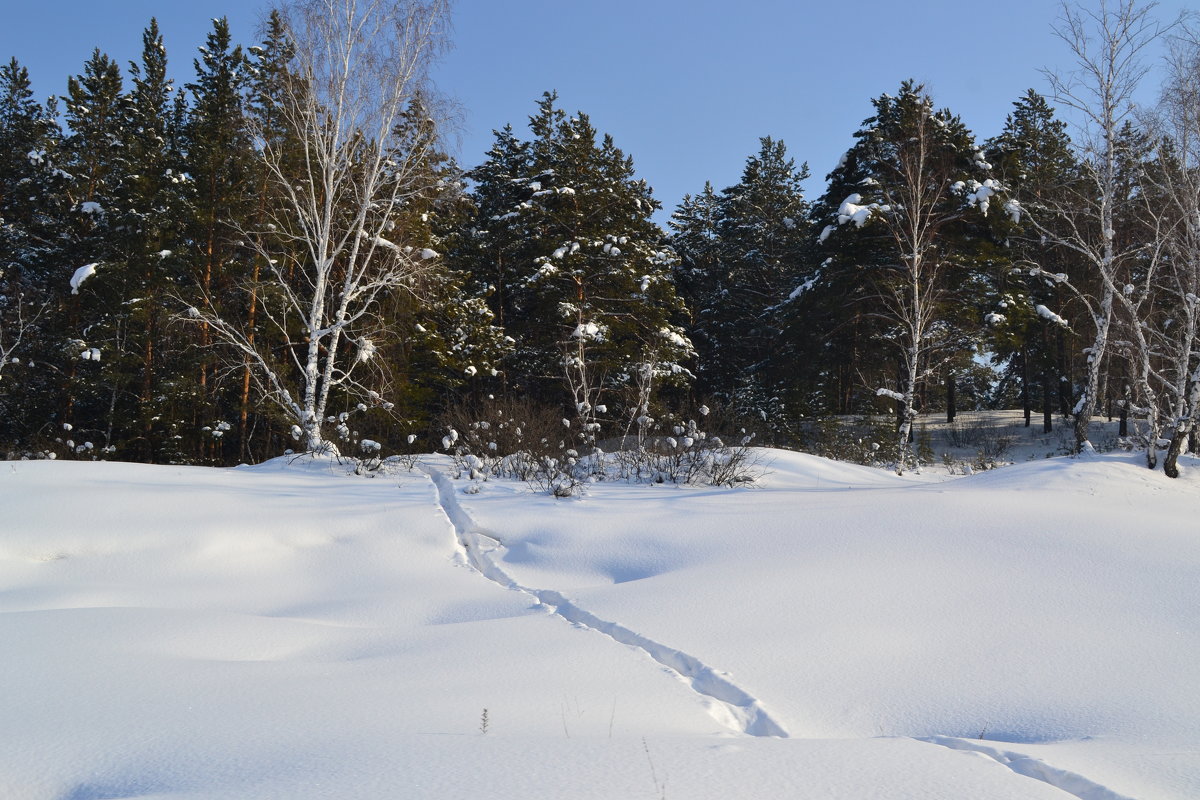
(835, 633)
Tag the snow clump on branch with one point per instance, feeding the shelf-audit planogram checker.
(851, 211)
(81, 275)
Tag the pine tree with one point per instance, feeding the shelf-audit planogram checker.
(743, 255)
(582, 273)
(31, 188)
(150, 234)
(92, 354)
(1032, 157)
(220, 161)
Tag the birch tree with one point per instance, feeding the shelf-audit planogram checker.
(913, 167)
(341, 178)
(1174, 201)
(1107, 46)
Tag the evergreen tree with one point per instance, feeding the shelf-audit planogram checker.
(31, 191)
(261, 310)
(743, 255)
(698, 246)
(29, 179)
(92, 354)
(582, 276)
(147, 248)
(1032, 157)
(220, 161)
(439, 337)
(912, 210)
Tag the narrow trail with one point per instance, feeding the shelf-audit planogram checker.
(728, 703)
(1070, 782)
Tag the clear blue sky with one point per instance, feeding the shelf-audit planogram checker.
(685, 86)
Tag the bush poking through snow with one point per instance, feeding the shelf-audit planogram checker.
(517, 439)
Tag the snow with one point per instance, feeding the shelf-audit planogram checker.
(1050, 316)
(588, 330)
(851, 211)
(291, 630)
(90, 207)
(802, 288)
(81, 275)
(980, 195)
(675, 338)
(1014, 210)
(366, 349)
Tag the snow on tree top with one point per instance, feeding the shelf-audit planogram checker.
(81, 275)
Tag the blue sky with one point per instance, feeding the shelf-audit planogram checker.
(685, 86)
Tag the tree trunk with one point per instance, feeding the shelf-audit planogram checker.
(1026, 405)
(1178, 440)
(951, 398)
(1185, 428)
(244, 404)
(1047, 408)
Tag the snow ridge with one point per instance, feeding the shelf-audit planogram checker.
(1069, 782)
(728, 703)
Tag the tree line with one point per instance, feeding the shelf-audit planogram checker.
(279, 254)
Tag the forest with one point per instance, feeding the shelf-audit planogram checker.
(280, 255)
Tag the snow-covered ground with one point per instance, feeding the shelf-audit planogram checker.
(291, 631)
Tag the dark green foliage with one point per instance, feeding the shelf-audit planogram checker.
(1032, 156)
(577, 272)
(901, 245)
(742, 256)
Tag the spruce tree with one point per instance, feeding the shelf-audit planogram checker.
(438, 339)
(148, 248)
